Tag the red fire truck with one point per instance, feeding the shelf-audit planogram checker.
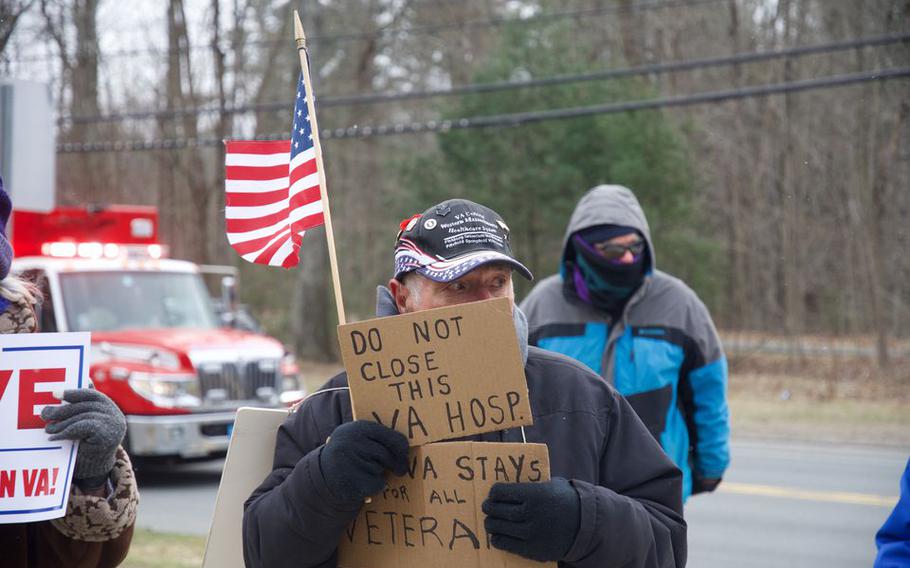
(175, 368)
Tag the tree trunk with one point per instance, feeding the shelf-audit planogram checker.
(216, 251)
(189, 187)
(631, 29)
(737, 292)
(311, 303)
(790, 261)
(313, 298)
(93, 171)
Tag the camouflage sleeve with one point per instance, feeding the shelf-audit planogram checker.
(98, 519)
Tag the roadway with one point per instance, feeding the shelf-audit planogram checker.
(799, 505)
(782, 504)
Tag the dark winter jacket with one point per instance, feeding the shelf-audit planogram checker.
(664, 355)
(631, 507)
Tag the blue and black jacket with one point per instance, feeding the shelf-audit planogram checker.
(664, 354)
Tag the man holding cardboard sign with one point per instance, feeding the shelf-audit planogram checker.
(614, 499)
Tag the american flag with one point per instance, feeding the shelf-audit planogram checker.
(273, 193)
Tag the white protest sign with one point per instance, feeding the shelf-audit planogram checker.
(35, 473)
(248, 462)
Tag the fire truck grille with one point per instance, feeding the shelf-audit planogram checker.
(237, 381)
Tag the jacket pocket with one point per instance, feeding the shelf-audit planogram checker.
(652, 407)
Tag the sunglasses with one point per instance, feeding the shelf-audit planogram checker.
(612, 251)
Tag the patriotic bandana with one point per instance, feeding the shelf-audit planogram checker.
(450, 239)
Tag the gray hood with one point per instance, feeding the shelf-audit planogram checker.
(609, 205)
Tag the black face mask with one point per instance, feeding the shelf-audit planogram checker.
(604, 284)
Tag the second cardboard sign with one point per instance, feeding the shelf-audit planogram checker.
(432, 515)
(438, 374)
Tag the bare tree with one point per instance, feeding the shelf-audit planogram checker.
(10, 12)
(802, 196)
(89, 178)
(191, 181)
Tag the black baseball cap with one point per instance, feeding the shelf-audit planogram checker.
(452, 238)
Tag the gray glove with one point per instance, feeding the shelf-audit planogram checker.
(94, 420)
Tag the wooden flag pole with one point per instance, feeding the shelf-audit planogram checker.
(326, 210)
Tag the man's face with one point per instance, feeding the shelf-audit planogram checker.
(617, 249)
(482, 283)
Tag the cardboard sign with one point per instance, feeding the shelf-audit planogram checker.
(438, 374)
(35, 473)
(249, 461)
(432, 515)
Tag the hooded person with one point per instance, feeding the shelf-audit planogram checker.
(614, 498)
(97, 528)
(643, 331)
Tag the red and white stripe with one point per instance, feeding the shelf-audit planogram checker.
(269, 202)
(305, 196)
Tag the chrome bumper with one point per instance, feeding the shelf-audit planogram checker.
(183, 435)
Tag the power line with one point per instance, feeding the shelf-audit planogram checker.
(517, 119)
(378, 98)
(430, 29)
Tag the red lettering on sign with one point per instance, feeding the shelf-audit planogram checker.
(29, 481)
(4, 380)
(28, 397)
(43, 483)
(7, 483)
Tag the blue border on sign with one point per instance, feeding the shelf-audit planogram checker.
(69, 467)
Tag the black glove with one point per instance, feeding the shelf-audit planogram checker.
(356, 457)
(536, 520)
(94, 420)
(704, 484)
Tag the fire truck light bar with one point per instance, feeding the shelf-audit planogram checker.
(95, 250)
